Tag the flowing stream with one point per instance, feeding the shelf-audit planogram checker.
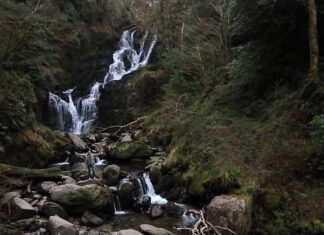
(78, 115)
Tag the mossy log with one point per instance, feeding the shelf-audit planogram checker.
(53, 173)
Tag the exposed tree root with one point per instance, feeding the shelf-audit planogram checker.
(202, 226)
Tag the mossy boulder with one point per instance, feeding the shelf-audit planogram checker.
(233, 212)
(126, 151)
(111, 175)
(79, 198)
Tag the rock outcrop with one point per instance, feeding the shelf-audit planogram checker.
(230, 212)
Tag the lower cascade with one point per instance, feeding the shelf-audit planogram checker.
(155, 199)
(77, 115)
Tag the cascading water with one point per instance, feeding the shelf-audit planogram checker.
(155, 199)
(78, 117)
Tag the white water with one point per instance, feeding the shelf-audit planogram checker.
(78, 117)
(66, 162)
(155, 199)
(100, 162)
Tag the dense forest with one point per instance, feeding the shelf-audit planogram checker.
(214, 105)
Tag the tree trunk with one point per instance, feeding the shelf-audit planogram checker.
(313, 40)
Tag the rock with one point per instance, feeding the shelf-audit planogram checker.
(127, 232)
(231, 212)
(68, 180)
(91, 138)
(152, 230)
(146, 202)
(78, 142)
(105, 229)
(5, 199)
(88, 182)
(126, 151)
(79, 170)
(174, 209)
(46, 186)
(125, 193)
(83, 197)
(21, 209)
(126, 138)
(59, 226)
(113, 189)
(111, 175)
(52, 208)
(155, 174)
(24, 224)
(138, 134)
(90, 219)
(37, 196)
(155, 212)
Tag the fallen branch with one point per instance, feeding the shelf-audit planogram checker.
(202, 226)
(119, 128)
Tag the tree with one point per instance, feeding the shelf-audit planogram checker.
(313, 39)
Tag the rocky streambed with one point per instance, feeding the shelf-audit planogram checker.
(120, 200)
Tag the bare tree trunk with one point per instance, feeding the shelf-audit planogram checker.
(313, 40)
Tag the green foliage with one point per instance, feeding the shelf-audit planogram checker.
(74, 38)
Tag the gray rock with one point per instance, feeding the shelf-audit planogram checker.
(155, 212)
(127, 232)
(78, 142)
(59, 226)
(8, 196)
(152, 230)
(90, 219)
(24, 224)
(83, 197)
(111, 175)
(126, 138)
(127, 151)
(46, 186)
(68, 180)
(91, 138)
(230, 212)
(52, 208)
(21, 209)
(125, 193)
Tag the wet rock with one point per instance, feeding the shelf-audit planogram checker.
(79, 198)
(146, 202)
(59, 226)
(152, 230)
(126, 151)
(155, 174)
(155, 212)
(46, 186)
(21, 209)
(231, 212)
(91, 138)
(125, 193)
(90, 219)
(52, 208)
(78, 142)
(111, 175)
(127, 232)
(174, 209)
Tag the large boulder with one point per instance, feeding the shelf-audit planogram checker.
(78, 142)
(129, 150)
(20, 209)
(79, 198)
(230, 212)
(125, 192)
(80, 171)
(59, 226)
(152, 230)
(46, 186)
(52, 208)
(127, 232)
(111, 175)
(90, 219)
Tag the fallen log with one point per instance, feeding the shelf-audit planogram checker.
(53, 173)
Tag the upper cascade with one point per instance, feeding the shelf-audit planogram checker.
(77, 115)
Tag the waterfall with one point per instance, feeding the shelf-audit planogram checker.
(155, 199)
(100, 162)
(117, 206)
(78, 117)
